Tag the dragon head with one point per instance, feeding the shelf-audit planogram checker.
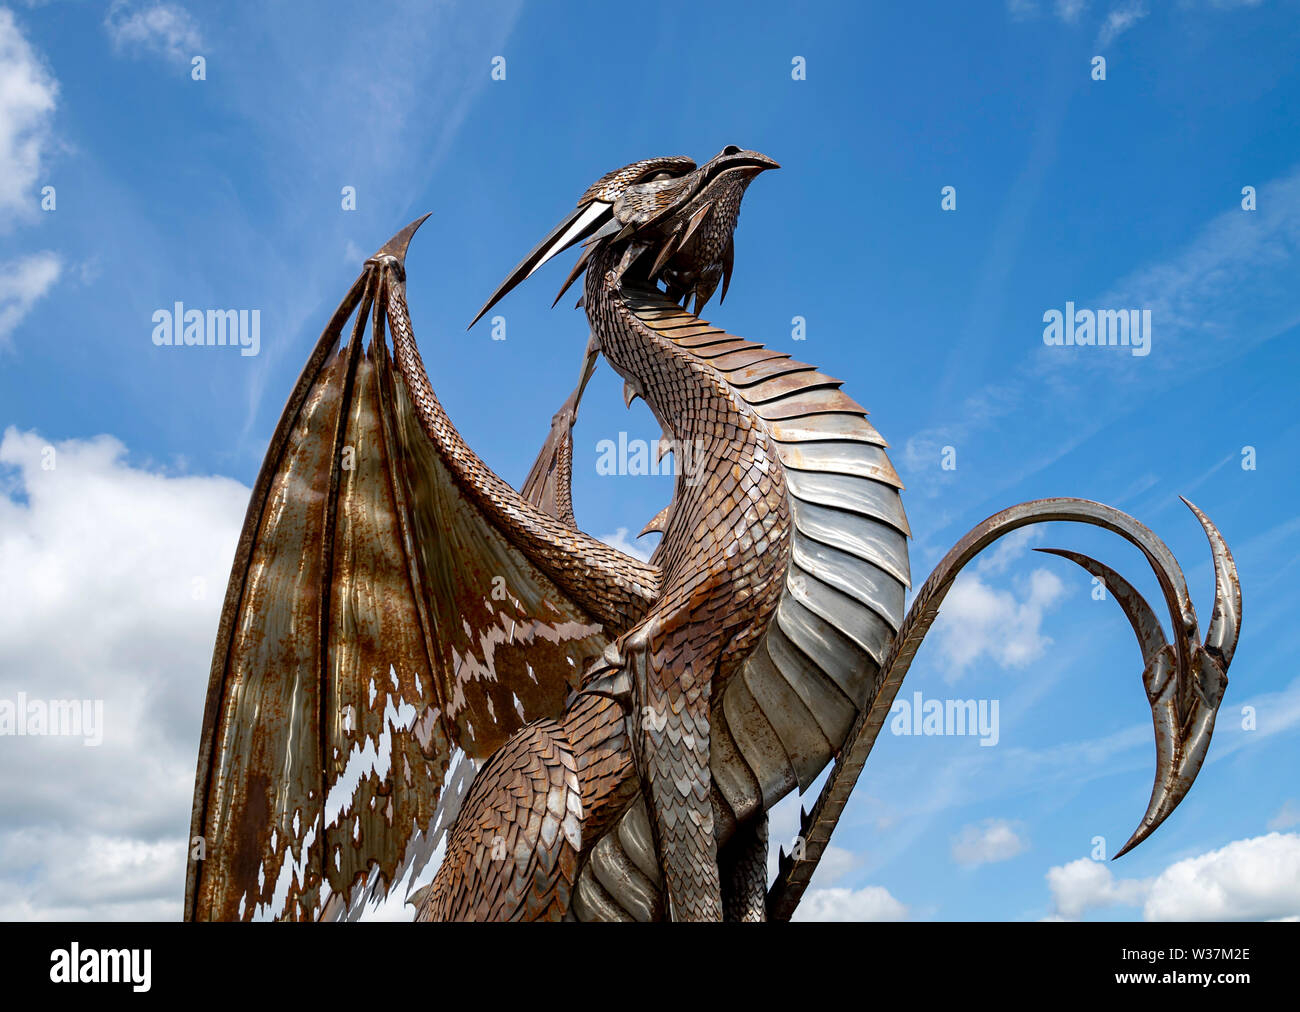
(672, 219)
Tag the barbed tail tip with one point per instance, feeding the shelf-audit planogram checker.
(1185, 690)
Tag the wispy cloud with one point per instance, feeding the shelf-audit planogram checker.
(927, 790)
(1287, 816)
(1228, 289)
(163, 29)
(28, 96)
(1120, 20)
(360, 118)
(23, 283)
(1070, 11)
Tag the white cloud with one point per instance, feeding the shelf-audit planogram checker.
(824, 901)
(870, 903)
(96, 877)
(123, 571)
(1120, 20)
(1252, 879)
(28, 95)
(165, 29)
(836, 862)
(1255, 879)
(1085, 885)
(986, 842)
(1021, 10)
(620, 540)
(978, 621)
(1287, 816)
(23, 283)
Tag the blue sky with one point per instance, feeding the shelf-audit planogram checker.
(1117, 193)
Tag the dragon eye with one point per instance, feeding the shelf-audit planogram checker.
(658, 176)
(731, 149)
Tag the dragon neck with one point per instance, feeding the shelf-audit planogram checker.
(727, 469)
(689, 397)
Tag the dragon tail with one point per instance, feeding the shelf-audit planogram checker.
(1184, 680)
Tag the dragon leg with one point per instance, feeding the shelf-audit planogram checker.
(533, 812)
(671, 744)
(664, 680)
(743, 863)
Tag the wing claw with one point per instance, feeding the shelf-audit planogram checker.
(397, 246)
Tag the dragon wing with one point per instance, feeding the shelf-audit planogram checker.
(392, 605)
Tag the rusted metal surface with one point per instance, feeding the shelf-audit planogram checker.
(401, 622)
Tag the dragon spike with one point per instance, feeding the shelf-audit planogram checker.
(670, 246)
(696, 220)
(728, 265)
(578, 268)
(658, 522)
(703, 292)
(1225, 620)
(1146, 626)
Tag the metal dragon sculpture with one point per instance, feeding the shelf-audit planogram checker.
(414, 657)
